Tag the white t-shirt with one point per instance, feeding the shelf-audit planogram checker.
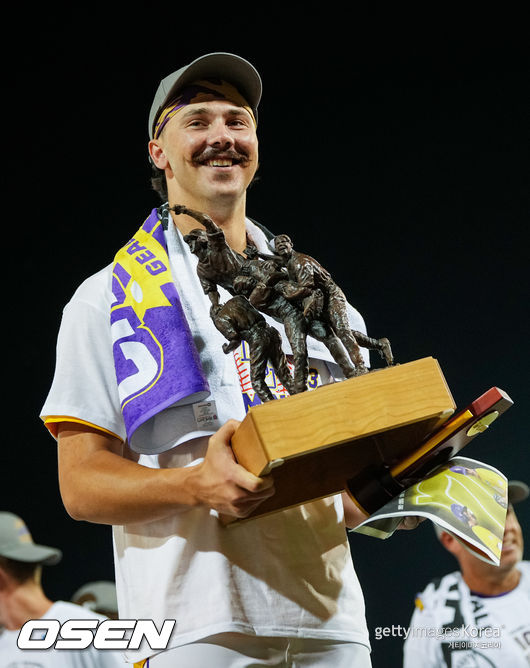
(287, 574)
(453, 627)
(13, 657)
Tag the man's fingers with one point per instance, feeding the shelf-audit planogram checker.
(226, 431)
(255, 485)
(410, 522)
(225, 485)
(243, 478)
(246, 508)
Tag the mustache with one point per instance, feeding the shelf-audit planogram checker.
(211, 153)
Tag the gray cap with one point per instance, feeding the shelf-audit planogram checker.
(233, 69)
(16, 543)
(517, 491)
(99, 596)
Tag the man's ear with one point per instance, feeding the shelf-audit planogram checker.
(3, 579)
(157, 155)
(448, 541)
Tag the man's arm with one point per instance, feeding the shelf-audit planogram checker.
(98, 485)
(353, 515)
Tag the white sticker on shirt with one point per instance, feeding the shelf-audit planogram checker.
(206, 415)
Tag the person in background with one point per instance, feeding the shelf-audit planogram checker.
(99, 596)
(479, 615)
(22, 598)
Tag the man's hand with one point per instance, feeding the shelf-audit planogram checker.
(221, 483)
(100, 485)
(410, 522)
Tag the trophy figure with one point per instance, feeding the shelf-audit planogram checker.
(290, 287)
(373, 434)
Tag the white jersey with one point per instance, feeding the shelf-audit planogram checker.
(286, 574)
(454, 628)
(13, 657)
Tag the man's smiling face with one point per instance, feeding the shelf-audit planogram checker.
(212, 151)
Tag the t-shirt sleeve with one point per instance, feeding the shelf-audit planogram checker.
(84, 387)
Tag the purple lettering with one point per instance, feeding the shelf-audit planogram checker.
(135, 247)
(156, 267)
(146, 257)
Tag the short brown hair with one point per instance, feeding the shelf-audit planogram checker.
(21, 571)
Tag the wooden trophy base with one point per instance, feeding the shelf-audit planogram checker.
(315, 442)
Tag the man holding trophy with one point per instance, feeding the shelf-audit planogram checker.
(144, 403)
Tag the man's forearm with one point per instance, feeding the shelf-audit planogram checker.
(353, 515)
(99, 485)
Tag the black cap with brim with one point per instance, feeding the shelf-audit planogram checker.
(227, 66)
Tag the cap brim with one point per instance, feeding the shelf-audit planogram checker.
(228, 66)
(101, 595)
(517, 491)
(34, 554)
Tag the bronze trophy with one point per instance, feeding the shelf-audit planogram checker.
(372, 434)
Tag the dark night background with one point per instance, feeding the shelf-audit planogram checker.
(394, 149)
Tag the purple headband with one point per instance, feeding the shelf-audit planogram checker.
(201, 91)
